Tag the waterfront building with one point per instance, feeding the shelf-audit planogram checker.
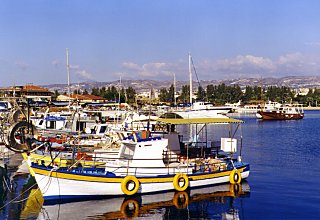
(27, 91)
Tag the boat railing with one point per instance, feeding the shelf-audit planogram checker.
(171, 162)
(196, 148)
(171, 156)
(175, 165)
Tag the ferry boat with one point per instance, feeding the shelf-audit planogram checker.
(147, 165)
(285, 112)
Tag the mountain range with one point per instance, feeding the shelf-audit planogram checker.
(294, 82)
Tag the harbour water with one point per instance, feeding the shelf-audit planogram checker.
(283, 184)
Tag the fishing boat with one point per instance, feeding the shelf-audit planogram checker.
(284, 112)
(149, 164)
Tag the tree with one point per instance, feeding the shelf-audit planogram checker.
(248, 95)
(131, 95)
(85, 92)
(185, 94)
(201, 95)
(170, 94)
(163, 95)
(95, 91)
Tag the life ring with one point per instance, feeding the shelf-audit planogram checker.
(180, 200)
(178, 179)
(235, 177)
(130, 208)
(20, 136)
(130, 185)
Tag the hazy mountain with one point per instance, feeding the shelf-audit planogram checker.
(145, 85)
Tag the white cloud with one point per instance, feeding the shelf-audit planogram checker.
(243, 64)
(131, 66)
(233, 67)
(156, 69)
(290, 58)
(81, 73)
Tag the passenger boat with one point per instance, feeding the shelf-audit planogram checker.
(284, 112)
(149, 164)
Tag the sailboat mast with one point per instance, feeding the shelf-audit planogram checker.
(190, 78)
(174, 89)
(68, 71)
(118, 111)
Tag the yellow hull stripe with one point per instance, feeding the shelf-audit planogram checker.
(119, 179)
(61, 162)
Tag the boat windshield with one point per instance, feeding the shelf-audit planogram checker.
(127, 151)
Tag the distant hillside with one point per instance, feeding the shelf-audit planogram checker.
(145, 85)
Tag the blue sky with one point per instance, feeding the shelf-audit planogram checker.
(144, 39)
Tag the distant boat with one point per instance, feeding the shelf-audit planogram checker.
(284, 112)
(201, 109)
(254, 108)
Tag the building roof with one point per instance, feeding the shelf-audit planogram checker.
(30, 88)
(84, 97)
(34, 88)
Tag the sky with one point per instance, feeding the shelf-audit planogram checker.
(145, 39)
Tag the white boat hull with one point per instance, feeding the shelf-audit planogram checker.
(55, 186)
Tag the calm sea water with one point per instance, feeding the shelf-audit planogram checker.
(284, 183)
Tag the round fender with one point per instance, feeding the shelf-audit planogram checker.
(130, 185)
(180, 200)
(180, 182)
(235, 177)
(130, 208)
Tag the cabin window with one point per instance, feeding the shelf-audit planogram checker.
(80, 126)
(103, 129)
(68, 125)
(128, 151)
(51, 124)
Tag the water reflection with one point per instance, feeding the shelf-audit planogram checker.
(3, 184)
(208, 202)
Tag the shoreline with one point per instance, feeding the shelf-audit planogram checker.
(311, 108)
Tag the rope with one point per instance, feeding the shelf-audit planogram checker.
(194, 68)
(37, 147)
(14, 200)
(6, 183)
(78, 161)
